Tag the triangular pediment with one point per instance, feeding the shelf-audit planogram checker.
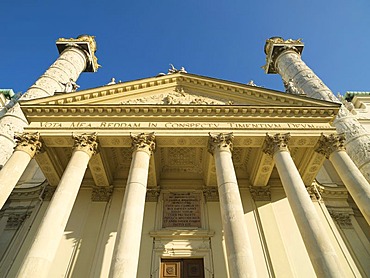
(178, 89)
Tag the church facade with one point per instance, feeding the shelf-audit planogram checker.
(182, 175)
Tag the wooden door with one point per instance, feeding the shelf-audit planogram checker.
(182, 268)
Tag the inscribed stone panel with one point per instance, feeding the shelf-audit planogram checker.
(181, 209)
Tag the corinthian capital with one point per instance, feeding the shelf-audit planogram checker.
(221, 142)
(327, 144)
(28, 142)
(86, 143)
(143, 142)
(278, 142)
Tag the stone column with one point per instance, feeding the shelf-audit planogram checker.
(126, 250)
(284, 57)
(238, 246)
(41, 254)
(317, 242)
(332, 147)
(76, 56)
(27, 145)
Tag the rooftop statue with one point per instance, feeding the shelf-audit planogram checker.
(175, 70)
(70, 86)
(112, 81)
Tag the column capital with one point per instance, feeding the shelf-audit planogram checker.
(343, 218)
(143, 142)
(277, 45)
(221, 141)
(152, 194)
(101, 193)
(86, 142)
(28, 142)
(211, 194)
(85, 43)
(277, 142)
(260, 193)
(328, 144)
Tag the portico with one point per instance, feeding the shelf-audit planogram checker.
(157, 143)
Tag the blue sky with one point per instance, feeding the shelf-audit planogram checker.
(220, 39)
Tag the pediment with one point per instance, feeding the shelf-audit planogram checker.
(178, 89)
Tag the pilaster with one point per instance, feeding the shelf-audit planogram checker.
(260, 193)
(101, 193)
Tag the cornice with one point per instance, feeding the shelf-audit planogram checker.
(188, 111)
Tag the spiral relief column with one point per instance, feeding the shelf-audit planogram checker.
(284, 57)
(76, 56)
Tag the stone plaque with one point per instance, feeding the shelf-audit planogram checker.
(181, 209)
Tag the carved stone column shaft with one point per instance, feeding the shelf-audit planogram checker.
(284, 57)
(126, 250)
(319, 247)
(238, 246)
(332, 147)
(44, 247)
(77, 55)
(27, 146)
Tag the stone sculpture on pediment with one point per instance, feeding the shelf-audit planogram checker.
(178, 97)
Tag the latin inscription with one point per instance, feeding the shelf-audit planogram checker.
(181, 210)
(178, 125)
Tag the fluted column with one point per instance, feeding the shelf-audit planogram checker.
(238, 247)
(332, 146)
(317, 242)
(44, 247)
(126, 250)
(76, 56)
(27, 145)
(284, 57)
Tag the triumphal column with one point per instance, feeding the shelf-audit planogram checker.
(284, 57)
(76, 56)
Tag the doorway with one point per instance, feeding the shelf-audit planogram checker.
(182, 268)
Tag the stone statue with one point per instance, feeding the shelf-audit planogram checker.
(251, 83)
(175, 70)
(112, 81)
(172, 69)
(70, 86)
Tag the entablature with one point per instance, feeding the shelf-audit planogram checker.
(111, 112)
